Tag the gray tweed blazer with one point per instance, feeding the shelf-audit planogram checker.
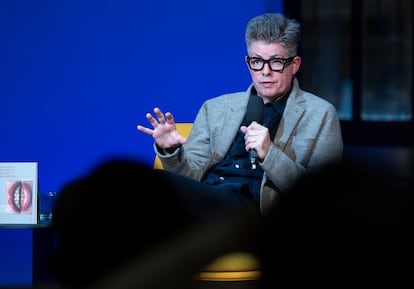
(308, 136)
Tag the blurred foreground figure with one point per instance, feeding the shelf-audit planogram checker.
(110, 216)
(341, 227)
(123, 226)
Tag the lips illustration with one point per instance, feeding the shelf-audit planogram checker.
(20, 196)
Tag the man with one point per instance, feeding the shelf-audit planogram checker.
(300, 131)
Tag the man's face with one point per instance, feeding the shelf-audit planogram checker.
(269, 84)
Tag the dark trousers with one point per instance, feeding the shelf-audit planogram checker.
(205, 200)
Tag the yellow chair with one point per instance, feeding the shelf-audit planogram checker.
(235, 266)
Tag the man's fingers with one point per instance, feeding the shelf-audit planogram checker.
(160, 115)
(145, 129)
(151, 120)
(170, 117)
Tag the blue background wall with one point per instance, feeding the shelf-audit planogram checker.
(77, 76)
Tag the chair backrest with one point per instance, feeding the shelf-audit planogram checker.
(184, 130)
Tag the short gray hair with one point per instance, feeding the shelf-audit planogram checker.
(274, 28)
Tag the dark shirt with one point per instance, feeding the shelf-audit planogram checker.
(234, 171)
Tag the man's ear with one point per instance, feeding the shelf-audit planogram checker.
(297, 60)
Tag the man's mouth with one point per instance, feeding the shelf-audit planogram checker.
(267, 84)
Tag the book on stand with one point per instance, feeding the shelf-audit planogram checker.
(18, 193)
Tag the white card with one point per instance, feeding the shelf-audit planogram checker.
(18, 192)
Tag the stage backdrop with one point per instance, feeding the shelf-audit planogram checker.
(77, 76)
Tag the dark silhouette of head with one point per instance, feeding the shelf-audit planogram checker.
(116, 213)
(340, 227)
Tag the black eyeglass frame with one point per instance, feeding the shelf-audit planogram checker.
(284, 61)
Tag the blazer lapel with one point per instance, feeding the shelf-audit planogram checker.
(231, 124)
(291, 115)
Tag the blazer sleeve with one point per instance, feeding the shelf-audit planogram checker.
(309, 136)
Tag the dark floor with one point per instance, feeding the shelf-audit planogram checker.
(250, 284)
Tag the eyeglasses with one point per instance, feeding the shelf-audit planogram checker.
(275, 64)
